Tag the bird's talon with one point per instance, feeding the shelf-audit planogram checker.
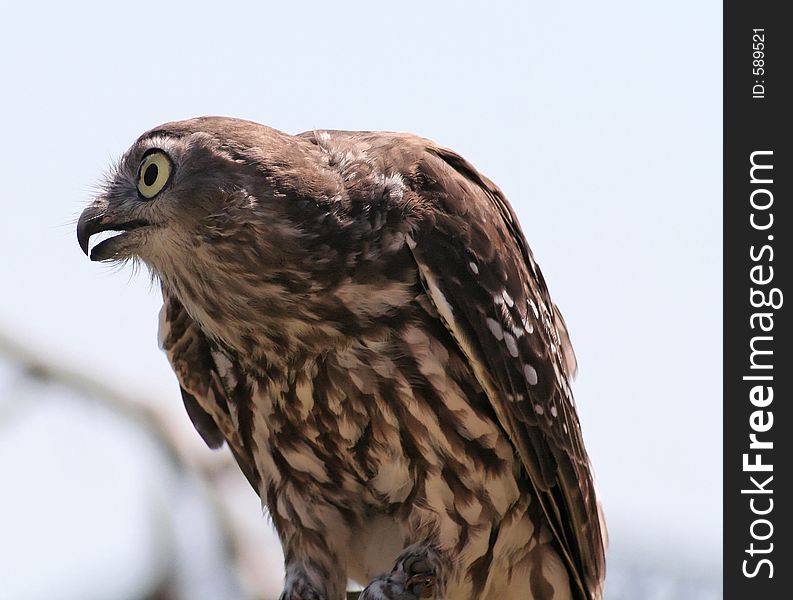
(422, 585)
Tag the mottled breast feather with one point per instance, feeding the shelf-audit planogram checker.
(204, 383)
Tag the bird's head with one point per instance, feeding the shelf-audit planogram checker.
(246, 224)
(177, 184)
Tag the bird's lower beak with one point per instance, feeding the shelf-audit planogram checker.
(95, 219)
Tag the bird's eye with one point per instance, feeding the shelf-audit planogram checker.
(153, 173)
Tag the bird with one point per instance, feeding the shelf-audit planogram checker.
(359, 318)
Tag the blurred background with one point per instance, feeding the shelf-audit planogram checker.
(601, 122)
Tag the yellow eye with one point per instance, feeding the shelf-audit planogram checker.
(153, 173)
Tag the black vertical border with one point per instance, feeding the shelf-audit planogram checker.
(752, 124)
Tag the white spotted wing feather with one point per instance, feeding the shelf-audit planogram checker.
(479, 272)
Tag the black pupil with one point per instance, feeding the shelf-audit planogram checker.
(150, 174)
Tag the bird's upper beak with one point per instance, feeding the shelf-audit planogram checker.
(95, 219)
(91, 221)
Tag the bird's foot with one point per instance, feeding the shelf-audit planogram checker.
(414, 577)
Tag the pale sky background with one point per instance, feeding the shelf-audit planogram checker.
(601, 121)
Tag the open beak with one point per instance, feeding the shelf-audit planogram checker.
(95, 219)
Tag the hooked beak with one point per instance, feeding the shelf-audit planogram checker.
(95, 219)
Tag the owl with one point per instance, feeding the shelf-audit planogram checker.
(358, 316)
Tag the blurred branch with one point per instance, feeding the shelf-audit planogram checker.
(38, 367)
(222, 479)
